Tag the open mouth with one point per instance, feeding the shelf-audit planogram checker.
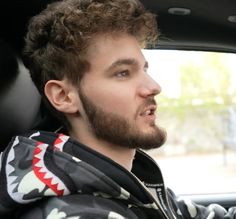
(149, 111)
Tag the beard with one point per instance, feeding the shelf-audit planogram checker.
(117, 130)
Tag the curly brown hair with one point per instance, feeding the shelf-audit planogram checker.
(57, 38)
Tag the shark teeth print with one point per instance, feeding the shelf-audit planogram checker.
(11, 179)
(43, 174)
(60, 142)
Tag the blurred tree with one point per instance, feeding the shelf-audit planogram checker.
(207, 78)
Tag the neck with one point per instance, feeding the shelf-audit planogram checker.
(121, 155)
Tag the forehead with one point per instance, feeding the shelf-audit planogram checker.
(106, 49)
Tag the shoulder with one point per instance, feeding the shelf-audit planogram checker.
(78, 206)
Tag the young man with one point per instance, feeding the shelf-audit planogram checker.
(85, 58)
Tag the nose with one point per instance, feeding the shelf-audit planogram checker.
(149, 87)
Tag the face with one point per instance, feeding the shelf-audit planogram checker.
(117, 94)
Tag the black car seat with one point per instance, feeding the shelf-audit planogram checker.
(19, 99)
(21, 108)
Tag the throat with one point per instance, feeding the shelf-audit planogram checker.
(124, 157)
(121, 155)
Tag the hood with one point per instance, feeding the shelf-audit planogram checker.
(49, 164)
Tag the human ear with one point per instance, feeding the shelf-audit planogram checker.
(62, 95)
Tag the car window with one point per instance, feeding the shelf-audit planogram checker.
(197, 107)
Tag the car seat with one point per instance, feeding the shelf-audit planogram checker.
(21, 108)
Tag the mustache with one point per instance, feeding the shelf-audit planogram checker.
(148, 102)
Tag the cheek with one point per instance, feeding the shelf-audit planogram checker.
(112, 99)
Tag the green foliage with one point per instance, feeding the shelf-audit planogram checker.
(205, 82)
(207, 79)
(196, 118)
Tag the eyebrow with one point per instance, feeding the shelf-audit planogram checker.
(120, 62)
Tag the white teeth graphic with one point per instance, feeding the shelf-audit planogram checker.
(10, 169)
(54, 181)
(14, 185)
(43, 170)
(47, 176)
(12, 179)
(43, 146)
(40, 154)
(39, 164)
(60, 186)
(11, 184)
(63, 139)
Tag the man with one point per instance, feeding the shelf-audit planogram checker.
(85, 58)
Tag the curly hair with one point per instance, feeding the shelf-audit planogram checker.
(57, 38)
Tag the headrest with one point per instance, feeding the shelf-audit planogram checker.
(19, 98)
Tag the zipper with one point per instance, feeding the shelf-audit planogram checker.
(153, 198)
(160, 192)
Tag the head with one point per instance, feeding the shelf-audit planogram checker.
(67, 49)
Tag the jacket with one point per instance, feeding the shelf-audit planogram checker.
(51, 176)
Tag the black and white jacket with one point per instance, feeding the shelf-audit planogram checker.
(51, 176)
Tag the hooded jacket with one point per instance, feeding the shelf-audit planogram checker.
(51, 176)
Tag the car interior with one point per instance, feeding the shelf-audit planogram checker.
(183, 25)
(21, 108)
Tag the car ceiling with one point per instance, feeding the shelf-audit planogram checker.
(206, 27)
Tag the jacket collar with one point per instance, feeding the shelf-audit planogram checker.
(144, 171)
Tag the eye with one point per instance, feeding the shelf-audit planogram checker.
(122, 74)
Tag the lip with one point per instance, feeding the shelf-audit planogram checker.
(152, 108)
(150, 118)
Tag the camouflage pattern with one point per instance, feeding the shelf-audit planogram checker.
(51, 176)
